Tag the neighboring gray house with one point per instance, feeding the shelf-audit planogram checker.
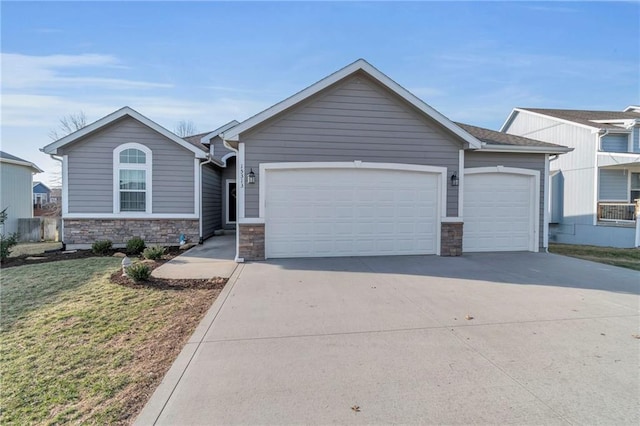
(352, 165)
(594, 189)
(16, 177)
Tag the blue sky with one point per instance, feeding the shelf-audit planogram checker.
(211, 62)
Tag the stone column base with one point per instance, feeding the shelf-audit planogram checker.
(251, 244)
(451, 239)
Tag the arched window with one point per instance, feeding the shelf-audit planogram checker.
(132, 178)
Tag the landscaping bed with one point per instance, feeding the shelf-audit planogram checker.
(83, 344)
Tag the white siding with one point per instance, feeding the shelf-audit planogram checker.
(16, 195)
(578, 167)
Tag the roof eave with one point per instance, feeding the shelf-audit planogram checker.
(525, 149)
(32, 166)
(360, 65)
(52, 148)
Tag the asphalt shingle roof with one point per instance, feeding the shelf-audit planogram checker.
(195, 141)
(493, 137)
(585, 117)
(8, 156)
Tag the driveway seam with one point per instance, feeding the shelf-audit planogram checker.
(237, 273)
(397, 330)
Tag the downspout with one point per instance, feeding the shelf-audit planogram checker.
(64, 246)
(231, 148)
(208, 160)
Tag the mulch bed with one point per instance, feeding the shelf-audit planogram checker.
(117, 277)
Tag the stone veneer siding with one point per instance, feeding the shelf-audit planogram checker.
(251, 245)
(451, 239)
(119, 231)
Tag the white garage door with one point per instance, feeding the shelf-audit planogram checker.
(350, 212)
(499, 212)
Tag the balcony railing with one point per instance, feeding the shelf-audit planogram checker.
(618, 211)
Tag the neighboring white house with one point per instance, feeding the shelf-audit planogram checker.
(594, 190)
(16, 176)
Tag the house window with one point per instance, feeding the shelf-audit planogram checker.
(635, 186)
(132, 178)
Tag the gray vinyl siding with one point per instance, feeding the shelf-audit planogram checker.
(356, 119)
(578, 167)
(615, 142)
(229, 173)
(90, 170)
(524, 161)
(16, 186)
(636, 139)
(211, 200)
(613, 185)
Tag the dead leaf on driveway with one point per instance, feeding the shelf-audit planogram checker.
(356, 408)
(636, 336)
(468, 317)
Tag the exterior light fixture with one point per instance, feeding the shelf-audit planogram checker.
(454, 179)
(251, 177)
(126, 262)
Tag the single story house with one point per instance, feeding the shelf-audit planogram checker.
(352, 165)
(16, 177)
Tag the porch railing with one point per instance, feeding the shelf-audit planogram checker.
(618, 211)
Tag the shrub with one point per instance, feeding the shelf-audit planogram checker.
(135, 245)
(139, 272)
(153, 252)
(6, 241)
(101, 247)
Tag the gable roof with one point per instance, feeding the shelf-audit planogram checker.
(206, 139)
(499, 141)
(5, 157)
(233, 134)
(41, 184)
(195, 141)
(114, 116)
(596, 120)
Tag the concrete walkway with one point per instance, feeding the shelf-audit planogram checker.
(212, 259)
(515, 338)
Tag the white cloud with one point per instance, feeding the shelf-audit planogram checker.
(21, 72)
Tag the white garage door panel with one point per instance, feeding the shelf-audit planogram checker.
(498, 212)
(350, 212)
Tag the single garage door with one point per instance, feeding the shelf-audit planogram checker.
(328, 212)
(499, 212)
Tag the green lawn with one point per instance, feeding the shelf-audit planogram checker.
(77, 348)
(626, 258)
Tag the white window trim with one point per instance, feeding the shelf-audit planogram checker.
(147, 167)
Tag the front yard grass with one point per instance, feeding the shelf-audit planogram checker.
(626, 258)
(78, 348)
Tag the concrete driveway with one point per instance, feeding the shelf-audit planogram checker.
(486, 338)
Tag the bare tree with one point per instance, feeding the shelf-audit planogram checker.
(68, 124)
(185, 128)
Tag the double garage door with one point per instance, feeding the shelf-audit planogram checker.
(327, 212)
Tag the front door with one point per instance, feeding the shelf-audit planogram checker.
(231, 201)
